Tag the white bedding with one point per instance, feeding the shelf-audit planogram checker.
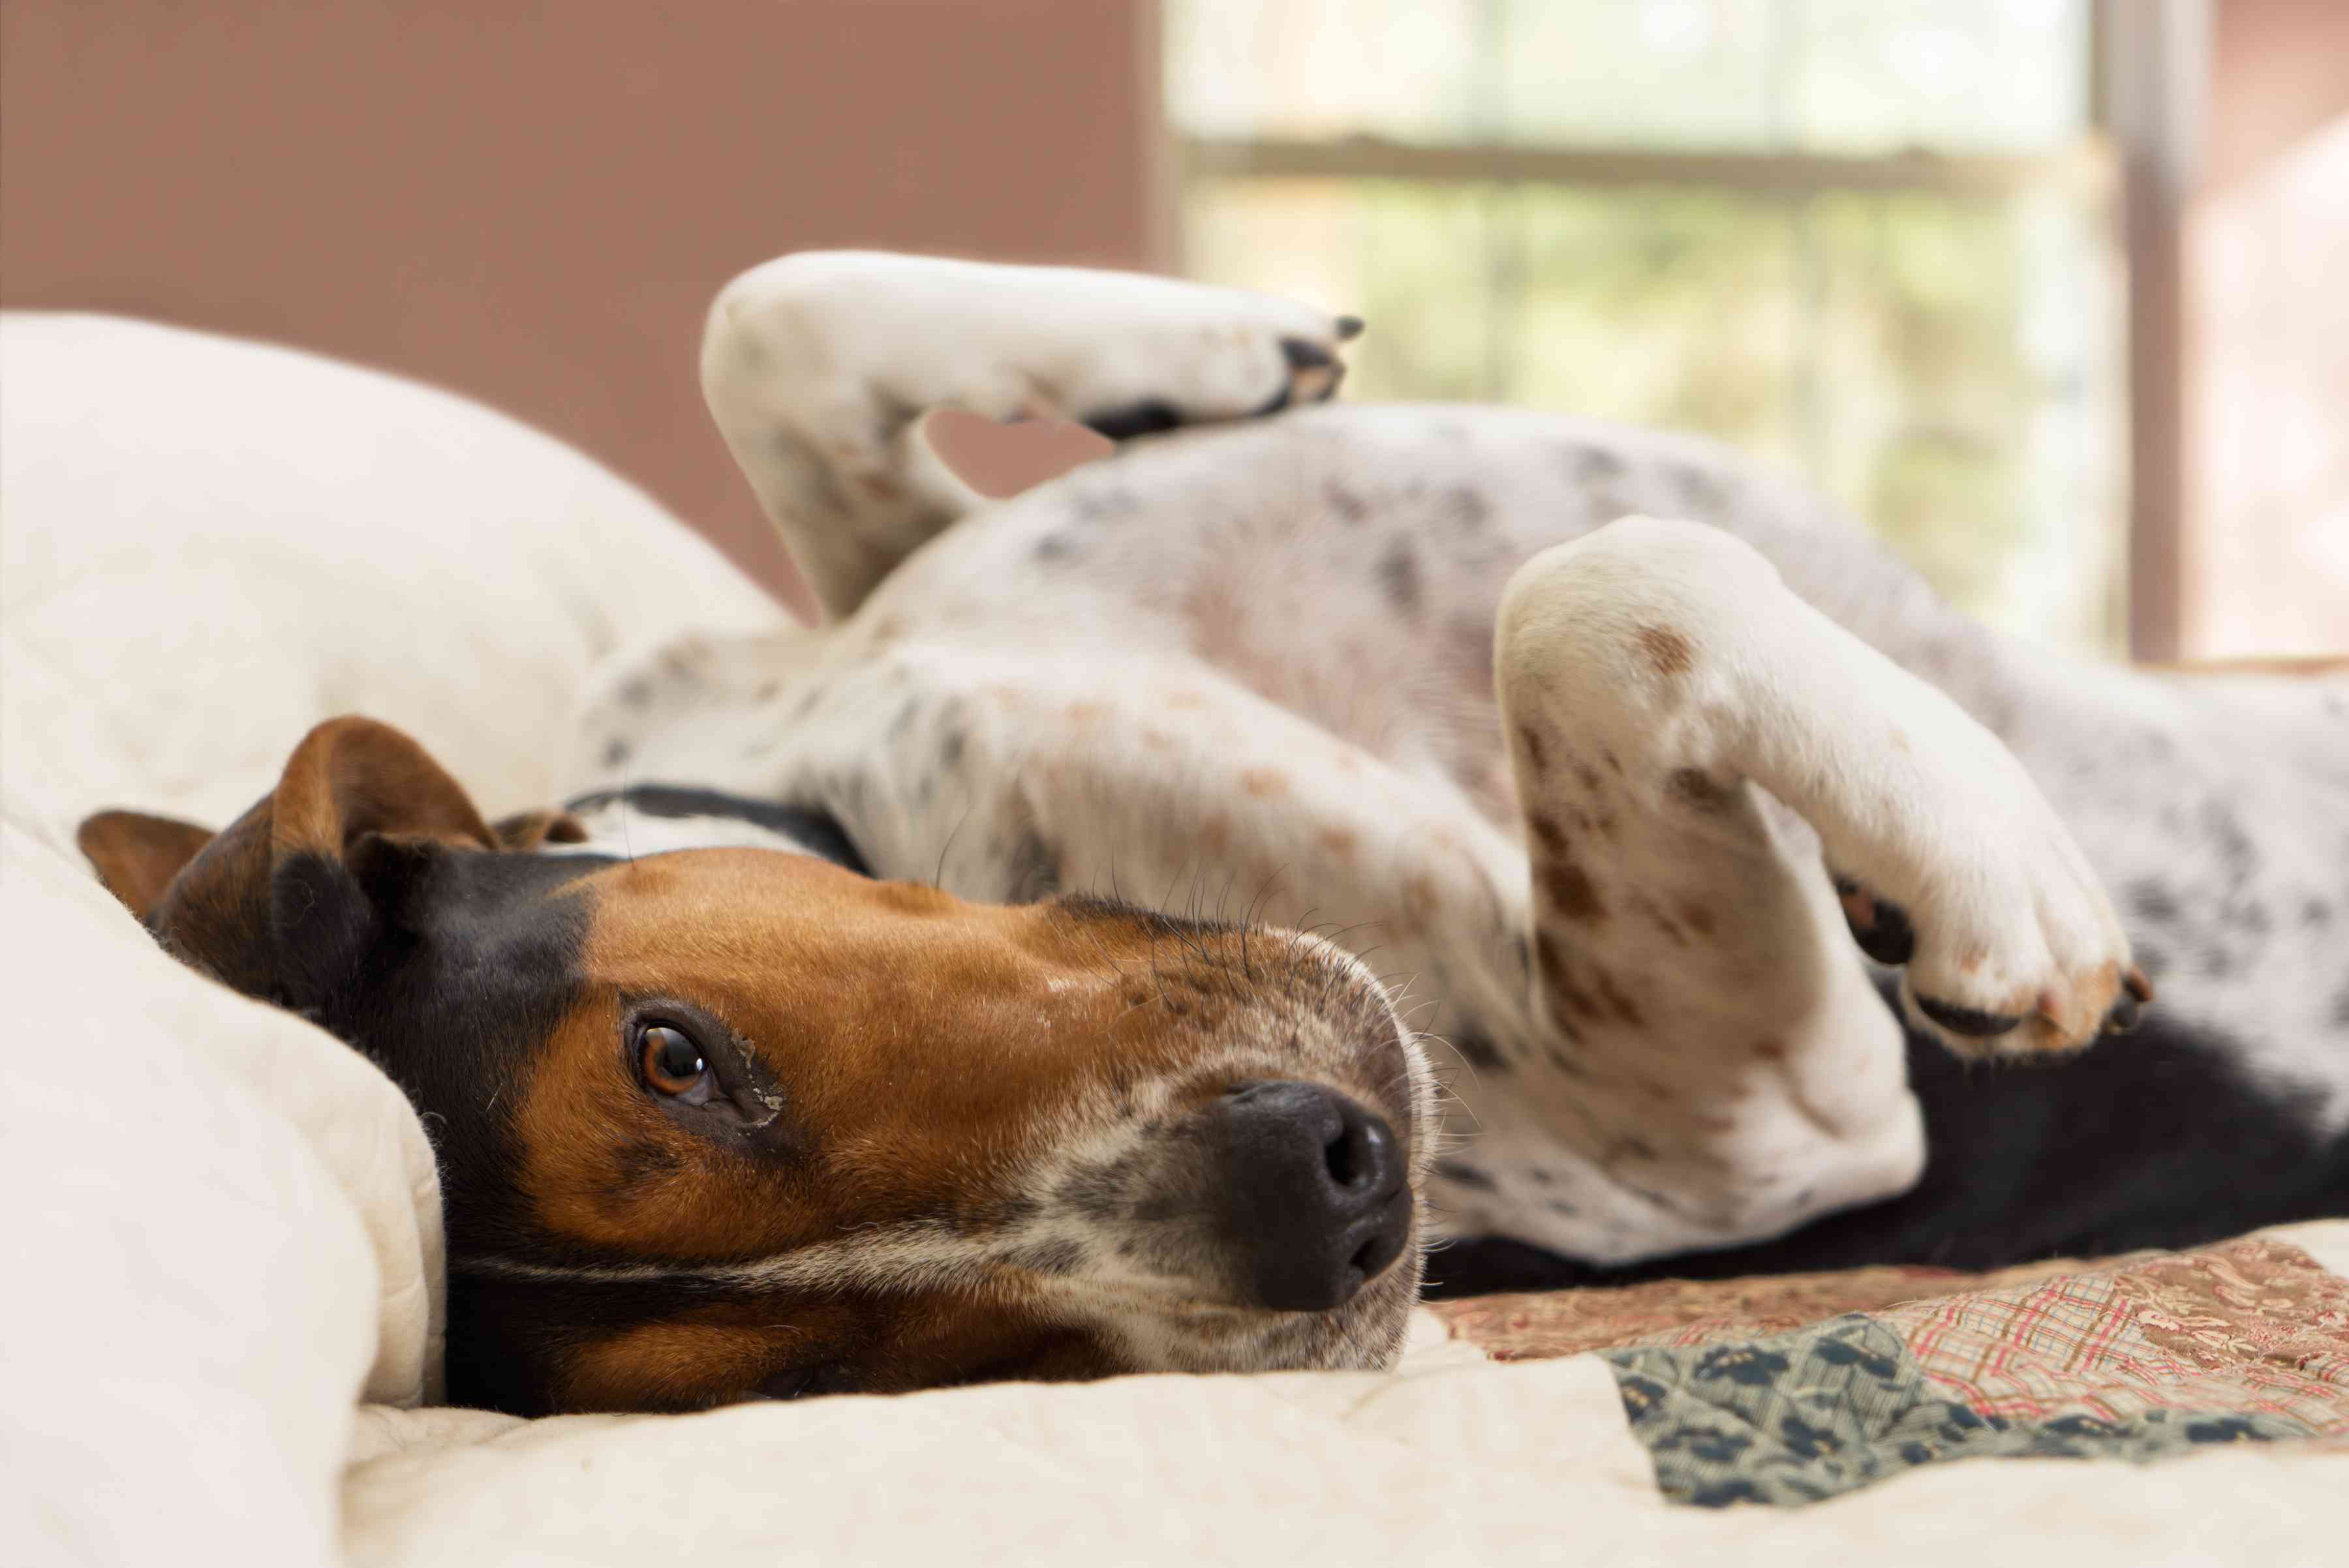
(221, 1315)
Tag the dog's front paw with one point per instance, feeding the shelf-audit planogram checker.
(2012, 952)
(1995, 918)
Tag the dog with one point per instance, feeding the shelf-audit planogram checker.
(976, 984)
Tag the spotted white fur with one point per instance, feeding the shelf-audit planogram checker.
(1254, 668)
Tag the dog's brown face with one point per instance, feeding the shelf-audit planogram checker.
(723, 1124)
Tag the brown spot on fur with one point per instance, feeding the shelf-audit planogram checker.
(1653, 913)
(1569, 996)
(1264, 783)
(1339, 841)
(1087, 713)
(1572, 893)
(1698, 919)
(1621, 1005)
(1695, 788)
(881, 488)
(1156, 739)
(1186, 700)
(1215, 835)
(1770, 1050)
(1552, 836)
(1533, 747)
(1668, 652)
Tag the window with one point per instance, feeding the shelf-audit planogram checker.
(1873, 240)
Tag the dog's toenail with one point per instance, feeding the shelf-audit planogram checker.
(2123, 1017)
(1303, 356)
(2137, 984)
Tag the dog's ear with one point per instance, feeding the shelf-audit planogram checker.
(137, 855)
(286, 902)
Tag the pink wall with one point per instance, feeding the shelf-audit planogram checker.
(534, 204)
(2265, 567)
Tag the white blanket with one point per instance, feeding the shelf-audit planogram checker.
(220, 1327)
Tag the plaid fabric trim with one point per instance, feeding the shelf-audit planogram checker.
(2255, 1326)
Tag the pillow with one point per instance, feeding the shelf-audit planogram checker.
(207, 545)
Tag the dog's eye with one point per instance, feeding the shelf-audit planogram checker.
(672, 1064)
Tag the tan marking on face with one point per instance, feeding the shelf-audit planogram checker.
(1668, 652)
(916, 1043)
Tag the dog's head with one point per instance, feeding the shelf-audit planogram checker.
(719, 1123)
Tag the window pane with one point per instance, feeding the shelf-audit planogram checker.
(1834, 76)
(1946, 367)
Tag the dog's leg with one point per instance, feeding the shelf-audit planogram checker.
(819, 368)
(1690, 740)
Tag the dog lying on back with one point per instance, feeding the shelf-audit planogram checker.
(1714, 849)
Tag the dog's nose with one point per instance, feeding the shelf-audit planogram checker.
(1315, 1203)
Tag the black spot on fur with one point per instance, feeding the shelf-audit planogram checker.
(1701, 492)
(1590, 464)
(1349, 506)
(2152, 903)
(1478, 1051)
(616, 752)
(1467, 508)
(1399, 574)
(1055, 547)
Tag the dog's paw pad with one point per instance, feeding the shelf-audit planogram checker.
(1225, 355)
(1880, 927)
(2041, 971)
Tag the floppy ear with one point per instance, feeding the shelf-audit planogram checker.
(137, 855)
(286, 902)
